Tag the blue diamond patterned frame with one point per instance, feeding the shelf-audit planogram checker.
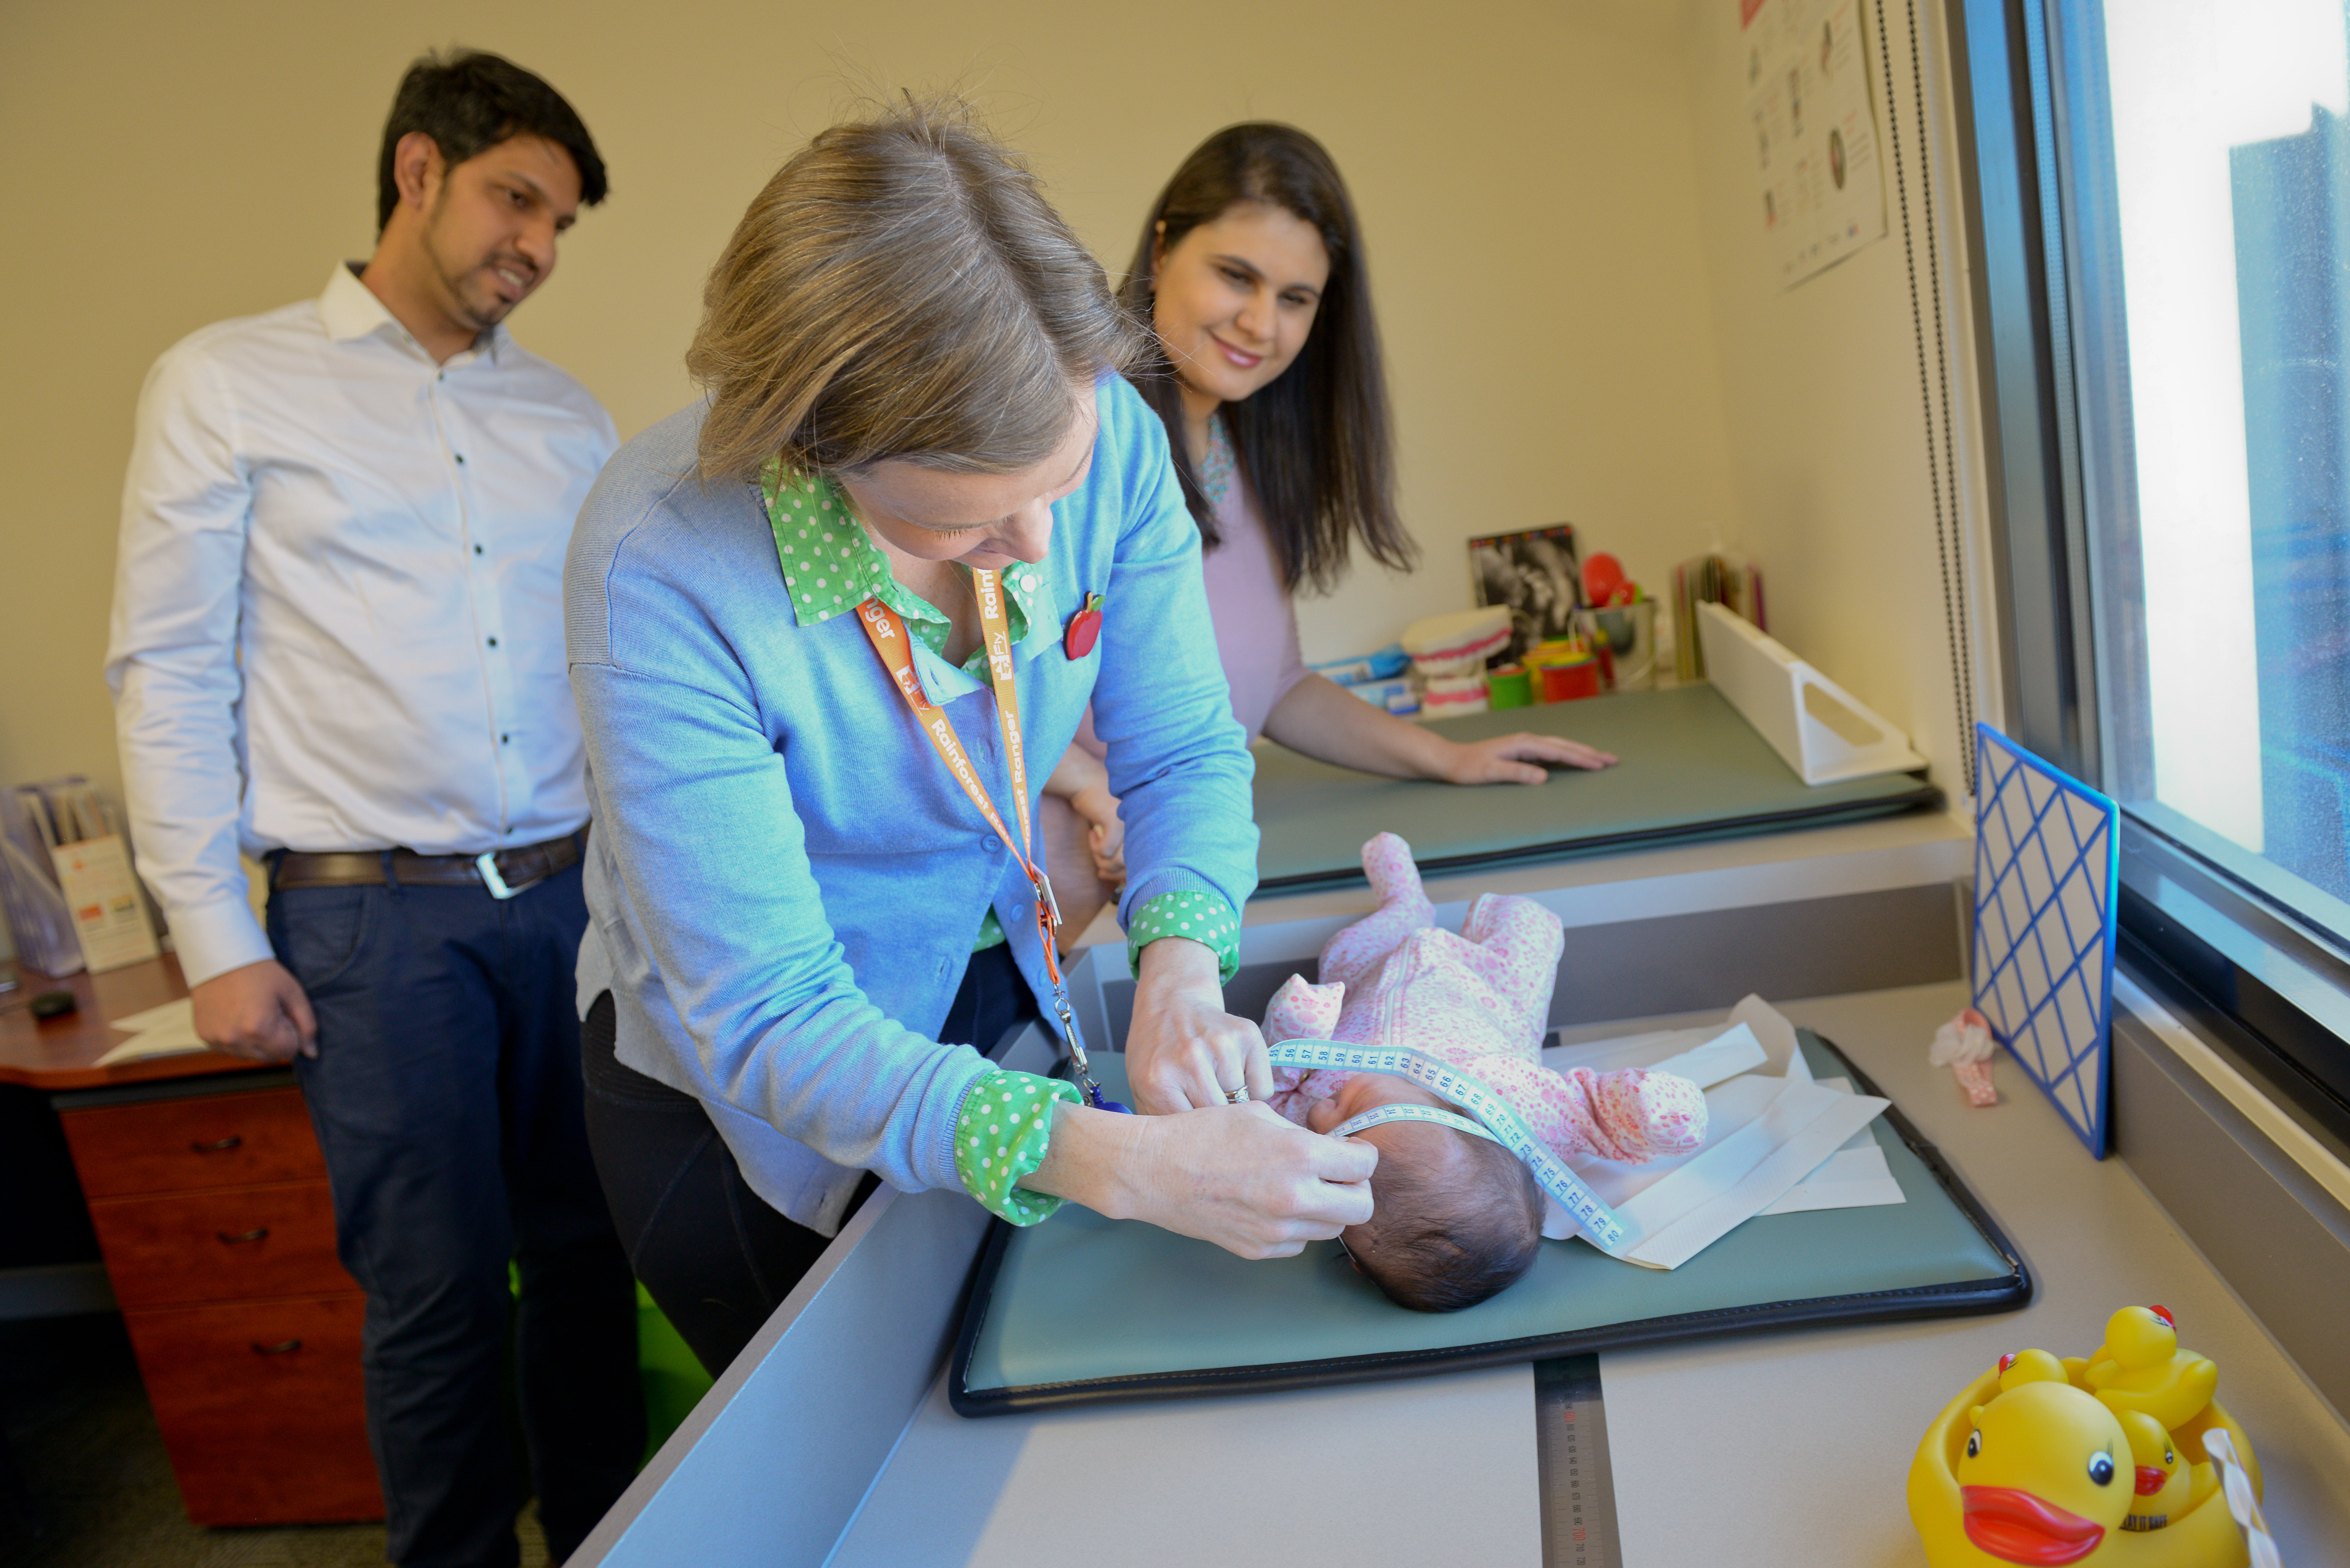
(2047, 870)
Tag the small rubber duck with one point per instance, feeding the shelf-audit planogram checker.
(2165, 1488)
(2140, 1368)
(2019, 1366)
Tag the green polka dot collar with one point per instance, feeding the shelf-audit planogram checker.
(831, 565)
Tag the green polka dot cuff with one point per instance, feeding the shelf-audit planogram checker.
(1203, 917)
(1006, 1121)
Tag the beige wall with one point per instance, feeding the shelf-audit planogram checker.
(1828, 435)
(1576, 330)
(1527, 184)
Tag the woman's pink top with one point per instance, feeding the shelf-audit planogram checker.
(1256, 623)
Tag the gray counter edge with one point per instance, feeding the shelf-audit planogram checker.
(2278, 1238)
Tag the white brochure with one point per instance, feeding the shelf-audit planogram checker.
(1776, 1141)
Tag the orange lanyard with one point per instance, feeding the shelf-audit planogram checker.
(888, 634)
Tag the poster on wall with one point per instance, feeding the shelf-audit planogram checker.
(1821, 185)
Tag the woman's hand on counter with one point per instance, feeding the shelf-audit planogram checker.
(1324, 721)
(1238, 1175)
(1184, 1051)
(1515, 759)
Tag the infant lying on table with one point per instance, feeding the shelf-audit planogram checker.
(1457, 1217)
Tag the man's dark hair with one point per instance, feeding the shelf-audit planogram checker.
(470, 102)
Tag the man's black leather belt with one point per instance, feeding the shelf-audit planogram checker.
(503, 872)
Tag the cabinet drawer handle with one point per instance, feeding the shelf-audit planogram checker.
(280, 1348)
(219, 1146)
(230, 1238)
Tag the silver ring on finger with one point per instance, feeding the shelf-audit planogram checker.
(1234, 1096)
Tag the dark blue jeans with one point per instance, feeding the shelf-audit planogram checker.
(446, 1095)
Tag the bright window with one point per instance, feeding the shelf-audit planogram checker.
(2210, 232)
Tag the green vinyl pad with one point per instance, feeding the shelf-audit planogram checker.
(1691, 769)
(1084, 1310)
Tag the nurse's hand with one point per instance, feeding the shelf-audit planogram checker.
(1517, 759)
(1238, 1175)
(1184, 1051)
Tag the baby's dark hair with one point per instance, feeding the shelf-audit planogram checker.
(1451, 1228)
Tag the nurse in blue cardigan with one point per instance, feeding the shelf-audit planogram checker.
(821, 626)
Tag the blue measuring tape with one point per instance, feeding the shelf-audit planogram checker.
(1501, 1122)
(1409, 1111)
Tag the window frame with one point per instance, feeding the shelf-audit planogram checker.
(2226, 936)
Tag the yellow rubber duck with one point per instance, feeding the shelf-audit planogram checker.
(2046, 1474)
(2164, 1487)
(2026, 1465)
(2140, 1368)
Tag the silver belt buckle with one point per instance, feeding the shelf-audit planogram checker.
(486, 863)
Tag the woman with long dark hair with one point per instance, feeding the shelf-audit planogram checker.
(1251, 271)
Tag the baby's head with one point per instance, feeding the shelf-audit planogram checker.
(1455, 1217)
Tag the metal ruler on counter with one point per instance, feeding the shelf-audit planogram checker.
(1578, 1488)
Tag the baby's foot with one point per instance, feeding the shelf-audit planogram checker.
(1650, 1114)
(1387, 861)
(1629, 1116)
(1403, 909)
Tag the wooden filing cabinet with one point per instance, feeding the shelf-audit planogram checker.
(211, 1210)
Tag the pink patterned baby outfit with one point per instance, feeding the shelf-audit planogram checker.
(1480, 1002)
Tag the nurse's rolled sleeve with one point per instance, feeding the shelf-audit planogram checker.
(710, 848)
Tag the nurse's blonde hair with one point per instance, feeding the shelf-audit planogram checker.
(901, 289)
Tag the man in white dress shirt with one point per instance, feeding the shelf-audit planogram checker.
(337, 646)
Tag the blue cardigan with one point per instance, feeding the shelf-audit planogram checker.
(784, 880)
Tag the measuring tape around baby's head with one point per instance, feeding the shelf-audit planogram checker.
(1409, 1111)
(1501, 1122)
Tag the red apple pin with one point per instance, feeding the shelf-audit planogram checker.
(1085, 627)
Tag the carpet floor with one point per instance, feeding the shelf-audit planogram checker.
(84, 1481)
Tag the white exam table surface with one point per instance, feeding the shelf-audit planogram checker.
(1754, 1449)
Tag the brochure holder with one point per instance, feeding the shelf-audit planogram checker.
(1820, 729)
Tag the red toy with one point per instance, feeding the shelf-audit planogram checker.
(1602, 576)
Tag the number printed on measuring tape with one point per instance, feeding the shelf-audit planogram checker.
(1409, 1111)
(1505, 1127)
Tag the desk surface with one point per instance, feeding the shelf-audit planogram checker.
(1779, 1449)
(59, 1053)
(1692, 770)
